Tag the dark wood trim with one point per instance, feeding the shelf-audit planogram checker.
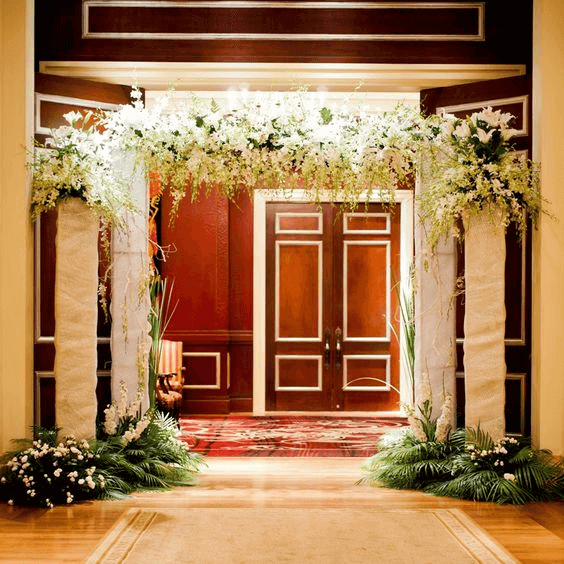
(211, 337)
(241, 405)
(507, 37)
(205, 406)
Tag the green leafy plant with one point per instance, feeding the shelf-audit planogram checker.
(132, 452)
(160, 314)
(506, 471)
(405, 462)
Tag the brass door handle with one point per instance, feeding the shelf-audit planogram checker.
(338, 351)
(327, 348)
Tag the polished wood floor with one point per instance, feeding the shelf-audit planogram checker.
(533, 533)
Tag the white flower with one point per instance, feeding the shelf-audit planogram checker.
(3, 480)
(463, 130)
(81, 481)
(443, 422)
(10, 502)
(510, 477)
(484, 137)
(57, 472)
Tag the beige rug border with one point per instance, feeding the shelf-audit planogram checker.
(129, 528)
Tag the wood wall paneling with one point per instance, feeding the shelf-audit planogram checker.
(369, 32)
(210, 258)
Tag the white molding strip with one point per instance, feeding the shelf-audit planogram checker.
(369, 243)
(348, 231)
(319, 245)
(39, 375)
(522, 378)
(384, 388)
(278, 230)
(217, 384)
(279, 388)
(403, 198)
(39, 98)
(363, 78)
(247, 4)
(523, 100)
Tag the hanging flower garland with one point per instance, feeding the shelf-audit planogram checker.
(284, 143)
(277, 143)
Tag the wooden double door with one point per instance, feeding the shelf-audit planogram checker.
(331, 315)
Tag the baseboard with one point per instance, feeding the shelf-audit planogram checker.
(205, 406)
(238, 405)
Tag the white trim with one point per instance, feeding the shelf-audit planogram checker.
(403, 198)
(385, 388)
(39, 98)
(385, 231)
(38, 375)
(279, 388)
(242, 4)
(278, 230)
(217, 384)
(369, 243)
(38, 337)
(285, 243)
(522, 378)
(405, 80)
(495, 103)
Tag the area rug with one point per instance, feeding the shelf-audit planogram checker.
(286, 435)
(297, 535)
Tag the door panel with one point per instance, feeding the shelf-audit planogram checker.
(329, 308)
(299, 289)
(511, 95)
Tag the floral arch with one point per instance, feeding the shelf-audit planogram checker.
(466, 169)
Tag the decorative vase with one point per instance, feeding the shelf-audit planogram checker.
(484, 322)
(76, 317)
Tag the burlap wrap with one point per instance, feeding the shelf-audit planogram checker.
(76, 313)
(484, 323)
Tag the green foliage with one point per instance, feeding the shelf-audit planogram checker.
(143, 454)
(404, 462)
(507, 471)
(160, 314)
(468, 465)
(155, 460)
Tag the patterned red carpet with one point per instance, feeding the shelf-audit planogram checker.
(286, 435)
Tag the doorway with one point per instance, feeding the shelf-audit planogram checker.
(327, 331)
(331, 322)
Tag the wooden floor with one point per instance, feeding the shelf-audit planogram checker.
(533, 533)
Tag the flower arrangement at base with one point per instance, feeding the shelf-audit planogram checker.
(468, 464)
(418, 455)
(131, 453)
(506, 471)
(49, 472)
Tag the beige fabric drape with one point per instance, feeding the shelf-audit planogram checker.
(76, 286)
(484, 323)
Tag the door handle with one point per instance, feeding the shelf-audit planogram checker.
(327, 348)
(338, 351)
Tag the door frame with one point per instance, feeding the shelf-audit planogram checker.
(403, 198)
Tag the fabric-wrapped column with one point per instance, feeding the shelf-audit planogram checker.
(484, 323)
(130, 339)
(76, 316)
